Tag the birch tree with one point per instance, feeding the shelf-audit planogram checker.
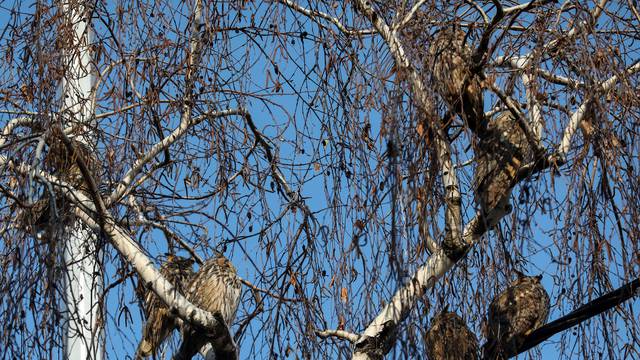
(313, 143)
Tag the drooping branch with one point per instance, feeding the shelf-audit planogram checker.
(291, 195)
(453, 245)
(578, 115)
(198, 34)
(129, 249)
(123, 187)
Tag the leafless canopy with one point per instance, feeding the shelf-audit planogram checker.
(309, 143)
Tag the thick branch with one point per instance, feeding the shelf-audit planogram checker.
(342, 334)
(11, 125)
(585, 312)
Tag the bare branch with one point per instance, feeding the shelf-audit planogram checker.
(583, 313)
(122, 188)
(314, 15)
(414, 9)
(578, 115)
(342, 334)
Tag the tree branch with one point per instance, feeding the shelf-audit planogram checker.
(342, 334)
(585, 312)
(578, 115)
(130, 250)
(122, 188)
(315, 14)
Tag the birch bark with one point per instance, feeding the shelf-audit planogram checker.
(84, 337)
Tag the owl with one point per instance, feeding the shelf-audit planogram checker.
(43, 216)
(449, 338)
(514, 314)
(452, 77)
(63, 163)
(215, 288)
(501, 152)
(160, 321)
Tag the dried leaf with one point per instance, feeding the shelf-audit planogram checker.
(344, 297)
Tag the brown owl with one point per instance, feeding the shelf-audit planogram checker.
(215, 288)
(514, 314)
(63, 163)
(43, 217)
(160, 321)
(501, 152)
(449, 338)
(452, 77)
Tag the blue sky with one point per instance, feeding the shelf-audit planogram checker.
(318, 162)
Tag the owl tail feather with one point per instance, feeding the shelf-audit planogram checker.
(144, 350)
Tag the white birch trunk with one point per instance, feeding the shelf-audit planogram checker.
(82, 269)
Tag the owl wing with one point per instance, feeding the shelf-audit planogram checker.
(160, 321)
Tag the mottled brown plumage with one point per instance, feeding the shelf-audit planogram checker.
(63, 162)
(160, 321)
(502, 151)
(215, 288)
(514, 314)
(453, 79)
(449, 338)
(45, 217)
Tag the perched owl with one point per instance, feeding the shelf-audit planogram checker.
(452, 77)
(63, 163)
(160, 321)
(514, 314)
(215, 288)
(449, 338)
(502, 151)
(43, 217)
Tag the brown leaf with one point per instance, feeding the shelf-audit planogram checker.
(344, 297)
